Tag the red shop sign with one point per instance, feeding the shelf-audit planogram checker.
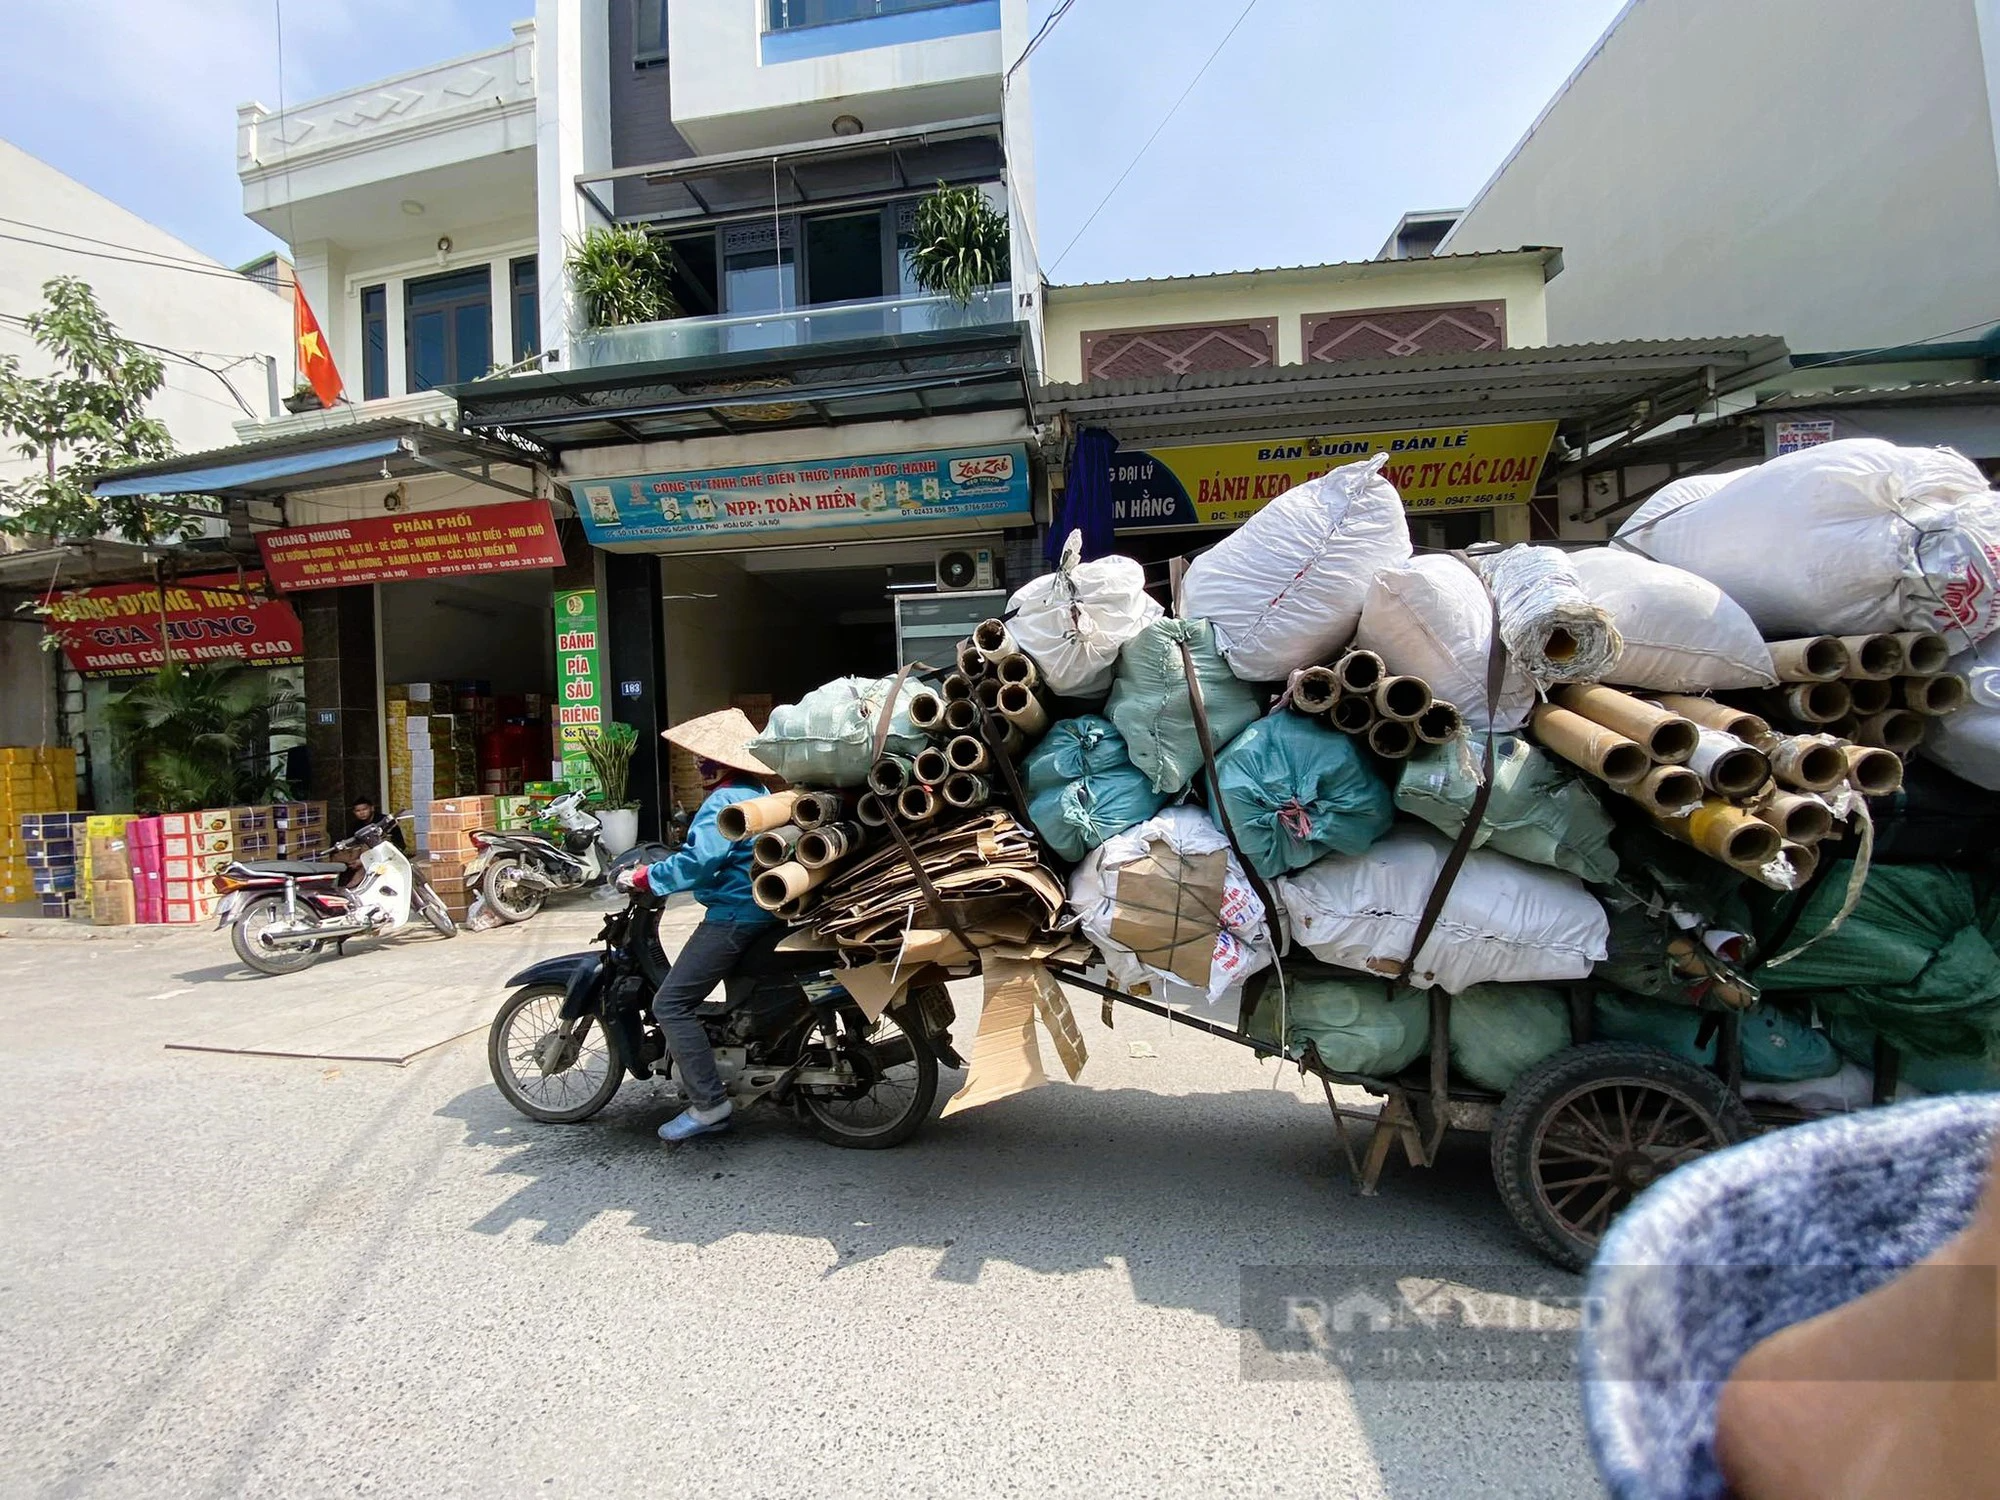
(423, 544)
(127, 629)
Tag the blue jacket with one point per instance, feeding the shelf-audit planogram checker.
(717, 871)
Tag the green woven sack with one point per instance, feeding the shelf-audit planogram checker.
(1540, 810)
(1151, 706)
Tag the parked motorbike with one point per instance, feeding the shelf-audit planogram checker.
(785, 1030)
(516, 872)
(282, 914)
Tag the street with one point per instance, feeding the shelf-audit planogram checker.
(247, 1275)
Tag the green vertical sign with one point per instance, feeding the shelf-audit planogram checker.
(579, 682)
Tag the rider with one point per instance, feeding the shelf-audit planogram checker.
(719, 874)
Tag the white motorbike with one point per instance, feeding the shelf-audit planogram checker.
(516, 872)
(282, 914)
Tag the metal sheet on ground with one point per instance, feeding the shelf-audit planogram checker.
(389, 1023)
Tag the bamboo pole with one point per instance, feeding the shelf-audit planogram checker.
(1708, 714)
(1727, 766)
(1667, 791)
(961, 715)
(1018, 666)
(755, 815)
(774, 846)
(1726, 832)
(869, 811)
(1872, 656)
(967, 753)
(1439, 722)
(815, 808)
(1802, 860)
(1403, 698)
(889, 775)
(1898, 730)
(1925, 652)
(1359, 671)
(1315, 689)
(986, 693)
(926, 710)
(1869, 696)
(1666, 738)
(993, 640)
(1801, 820)
(774, 887)
(964, 790)
(1352, 715)
(957, 689)
(822, 846)
(916, 804)
(971, 661)
(1811, 658)
(1813, 702)
(930, 767)
(1603, 752)
(1807, 765)
(1934, 695)
(1022, 709)
(1873, 772)
(1392, 739)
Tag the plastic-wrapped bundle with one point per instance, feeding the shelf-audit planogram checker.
(827, 738)
(1499, 1031)
(1431, 618)
(1777, 1046)
(1285, 589)
(1967, 743)
(1682, 634)
(1074, 621)
(1200, 927)
(1356, 1025)
(1151, 706)
(1540, 810)
(1846, 538)
(1295, 791)
(1083, 788)
(1503, 920)
(1553, 630)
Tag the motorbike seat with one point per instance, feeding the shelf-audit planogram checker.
(295, 867)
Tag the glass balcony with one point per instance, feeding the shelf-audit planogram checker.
(795, 15)
(828, 323)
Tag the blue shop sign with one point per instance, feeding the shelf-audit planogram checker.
(863, 494)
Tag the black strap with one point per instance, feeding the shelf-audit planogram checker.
(888, 713)
(1496, 668)
(1207, 739)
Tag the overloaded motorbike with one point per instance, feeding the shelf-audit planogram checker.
(785, 1030)
(282, 914)
(517, 871)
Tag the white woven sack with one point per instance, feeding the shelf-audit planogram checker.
(1682, 633)
(1845, 538)
(1073, 622)
(1241, 949)
(1672, 495)
(1431, 618)
(1504, 921)
(1285, 589)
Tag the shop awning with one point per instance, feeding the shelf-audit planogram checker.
(943, 372)
(325, 459)
(1593, 392)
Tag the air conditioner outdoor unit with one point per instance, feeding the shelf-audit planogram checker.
(965, 568)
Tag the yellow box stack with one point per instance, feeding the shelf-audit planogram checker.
(34, 779)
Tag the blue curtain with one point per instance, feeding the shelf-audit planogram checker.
(1086, 502)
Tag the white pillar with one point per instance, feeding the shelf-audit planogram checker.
(1018, 135)
(572, 136)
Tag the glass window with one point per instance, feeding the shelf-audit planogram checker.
(758, 281)
(793, 15)
(526, 299)
(374, 342)
(844, 257)
(649, 33)
(448, 328)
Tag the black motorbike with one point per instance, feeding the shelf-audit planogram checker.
(785, 1030)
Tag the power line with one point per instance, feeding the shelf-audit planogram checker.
(1036, 40)
(187, 359)
(1217, 52)
(202, 263)
(134, 260)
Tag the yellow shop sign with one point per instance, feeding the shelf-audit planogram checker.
(1224, 484)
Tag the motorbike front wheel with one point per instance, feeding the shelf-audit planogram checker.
(508, 894)
(431, 904)
(892, 1099)
(266, 956)
(547, 1076)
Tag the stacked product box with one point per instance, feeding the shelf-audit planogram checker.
(301, 829)
(256, 832)
(452, 821)
(114, 897)
(145, 853)
(54, 844)
(100, 826)
(33, 779)
(396, 717)
(194, 847)
(512, 813)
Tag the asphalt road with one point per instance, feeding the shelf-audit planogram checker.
(253, 1276)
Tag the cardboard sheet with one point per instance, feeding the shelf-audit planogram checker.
(1168, 910)
(1006, 1059)
(1054, 1008)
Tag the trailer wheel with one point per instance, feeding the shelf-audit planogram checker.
(1584, 1132)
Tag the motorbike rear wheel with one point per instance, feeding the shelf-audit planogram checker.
(507, 897)
(246, 935)
(890, 1104)
(544, 1075)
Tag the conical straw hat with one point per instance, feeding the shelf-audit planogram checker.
(723, 737)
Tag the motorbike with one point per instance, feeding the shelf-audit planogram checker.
(577, 1026)
(282, 914)
(516, 872)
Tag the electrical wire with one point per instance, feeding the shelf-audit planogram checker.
(1203, 69)
(222, 272)
(1036, 40)
(187, 358)
(197, 262)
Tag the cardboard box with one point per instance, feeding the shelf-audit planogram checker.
(220, 842)
(53, 905)
(197, 869)
(212, 820)
(109, 858)
(106, 825)
(113, 903)
(254, 820)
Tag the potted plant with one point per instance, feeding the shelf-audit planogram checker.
(621, 275)
(961, 244)
(201, 736)
(303, 398)
(610, 751)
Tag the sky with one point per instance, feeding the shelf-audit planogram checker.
(1313, 130)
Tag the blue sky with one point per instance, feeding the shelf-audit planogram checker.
(1314, 129)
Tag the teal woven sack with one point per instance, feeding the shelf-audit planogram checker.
(1150, 703)
(1296, 790)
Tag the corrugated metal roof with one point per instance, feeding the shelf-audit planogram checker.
(1603, 387)
(1941, 392)
(1386, 267)
(334, 441)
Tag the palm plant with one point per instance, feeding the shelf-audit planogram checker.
(961, 243)
(621, 274)
(201, 736)
(610, 751)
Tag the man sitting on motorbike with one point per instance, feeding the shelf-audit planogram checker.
(718, 872)
(366, 812)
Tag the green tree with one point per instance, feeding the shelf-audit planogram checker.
(87, 416)
(201, 736)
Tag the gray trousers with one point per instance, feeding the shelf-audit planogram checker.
(705, 961)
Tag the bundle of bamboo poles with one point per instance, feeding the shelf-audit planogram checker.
(1357, 695)
(993, 676)
(1714, 776)
(1878, 691)
(797, 838)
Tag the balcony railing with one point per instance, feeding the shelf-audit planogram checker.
(830, 323)
(797, 15)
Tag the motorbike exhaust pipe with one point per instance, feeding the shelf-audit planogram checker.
(317, 930)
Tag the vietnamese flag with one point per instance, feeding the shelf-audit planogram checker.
(315, 359)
